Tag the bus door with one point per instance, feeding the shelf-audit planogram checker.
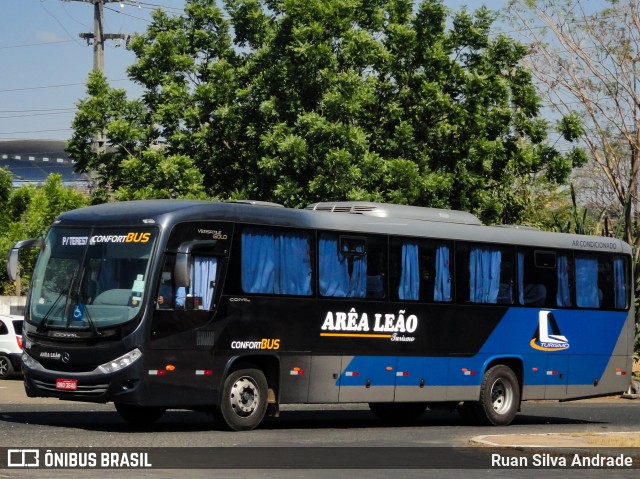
(182, 331)
(368, 379)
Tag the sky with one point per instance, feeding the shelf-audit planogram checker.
(44, 63)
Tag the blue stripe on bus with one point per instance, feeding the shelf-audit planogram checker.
(591, 337)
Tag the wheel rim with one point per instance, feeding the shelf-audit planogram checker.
(245, 396)
(501, 396)
(4, 367)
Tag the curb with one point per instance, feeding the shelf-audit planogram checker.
(553, 440)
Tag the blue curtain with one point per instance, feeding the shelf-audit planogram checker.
(587, 293)
(203, 274)
(181, 293)
(294, 264)
(521, 277)
(619, 284)
(358, 279)
(275, 262)
(259, 256)
(563, 295)
(335, 280)
(484, 279)
(409, 288)
(442, 288)
(334, 269)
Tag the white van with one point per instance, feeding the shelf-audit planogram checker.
(10, 345)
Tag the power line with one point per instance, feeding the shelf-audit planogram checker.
(37, 44)
(37, 114)
(128, 15)
(39, 109)
(40, 87)
(59, 23)
(32, 131)
(52, 86)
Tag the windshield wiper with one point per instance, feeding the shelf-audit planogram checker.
(43, 324)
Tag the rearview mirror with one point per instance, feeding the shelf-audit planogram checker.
(13, 255)
(182, 268)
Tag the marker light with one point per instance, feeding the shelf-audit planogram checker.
(120, 363)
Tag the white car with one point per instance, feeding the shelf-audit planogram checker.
(10, 345)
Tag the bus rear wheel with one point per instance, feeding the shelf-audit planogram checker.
(139, 415)
(401, 412)
(499, 399)
(244, 400)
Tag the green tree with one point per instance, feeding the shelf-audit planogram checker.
(27, 213)
(133, 167)
(6, 185)
(296, 102)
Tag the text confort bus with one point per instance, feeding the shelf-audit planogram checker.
(236, 308)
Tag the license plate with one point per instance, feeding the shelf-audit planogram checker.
(67, 384)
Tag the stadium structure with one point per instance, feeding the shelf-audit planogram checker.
(32, 161)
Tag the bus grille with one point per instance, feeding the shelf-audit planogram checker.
(83, 389)
(205, 338)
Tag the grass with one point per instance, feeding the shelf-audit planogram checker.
(613, 439)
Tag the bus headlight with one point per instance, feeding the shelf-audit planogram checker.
(121, 362)
(28, 361)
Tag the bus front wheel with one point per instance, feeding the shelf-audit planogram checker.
(499, 399)
(244, 399)
(139, 415)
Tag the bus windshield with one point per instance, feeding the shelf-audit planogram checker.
(88, 279)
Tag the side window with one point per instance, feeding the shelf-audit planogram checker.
(276, 261)
(204, 270)
(485, 273)
(588, 293)
(544, 278)
(166, 298)
(352, 266)
(602, 281)
(621, 282)
(202, 275)
(3, 328)
(421, 270)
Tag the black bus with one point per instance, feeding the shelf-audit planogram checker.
(237, 308)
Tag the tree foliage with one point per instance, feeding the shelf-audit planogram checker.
(297, 102)
(27, 212)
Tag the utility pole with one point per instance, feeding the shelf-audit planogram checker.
(98, 37)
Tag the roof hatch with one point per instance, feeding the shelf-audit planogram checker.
(384, 210)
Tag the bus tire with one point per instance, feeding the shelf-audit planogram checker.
(244, 400)
(6, 368)
(139, 415)
(499, 398)
(399, 412)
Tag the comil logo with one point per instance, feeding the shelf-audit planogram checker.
(547, 336)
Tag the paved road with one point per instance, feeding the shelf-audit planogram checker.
(50, 423)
